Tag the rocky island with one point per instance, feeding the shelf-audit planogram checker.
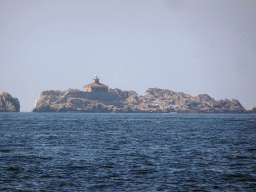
(9, 103)
(96, 97)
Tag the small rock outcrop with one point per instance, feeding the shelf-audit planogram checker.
(154, 100)
(253, 110)
(9, 103)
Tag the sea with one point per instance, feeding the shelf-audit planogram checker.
(127, 152)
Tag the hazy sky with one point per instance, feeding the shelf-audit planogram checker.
(190, 46)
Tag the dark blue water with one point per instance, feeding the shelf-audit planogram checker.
(127, 152)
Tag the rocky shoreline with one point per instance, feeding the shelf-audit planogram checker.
(9, 103)
(154, 100)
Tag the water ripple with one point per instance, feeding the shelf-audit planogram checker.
(127, 152)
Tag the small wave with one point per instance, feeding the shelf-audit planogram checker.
(251, 149)
(15, 169)
(142, 171)
(107, 166)
(45, 175)
(5, 150)
(229, 175)
(241, 157)
(78, 167)
(98, 186)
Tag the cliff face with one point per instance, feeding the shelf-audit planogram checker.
(153, 100)
(9, 103)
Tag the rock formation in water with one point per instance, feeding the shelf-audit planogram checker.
(253, 110)
(115, 100)
(9, 103)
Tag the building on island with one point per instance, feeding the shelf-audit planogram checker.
(95, 86)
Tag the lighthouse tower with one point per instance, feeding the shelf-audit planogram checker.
(95, 79)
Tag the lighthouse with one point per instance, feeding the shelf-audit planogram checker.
(95, 79)
(95, 86)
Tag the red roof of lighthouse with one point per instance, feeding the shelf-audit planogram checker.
(95, 85)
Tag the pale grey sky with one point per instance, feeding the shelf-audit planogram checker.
(192, 46)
